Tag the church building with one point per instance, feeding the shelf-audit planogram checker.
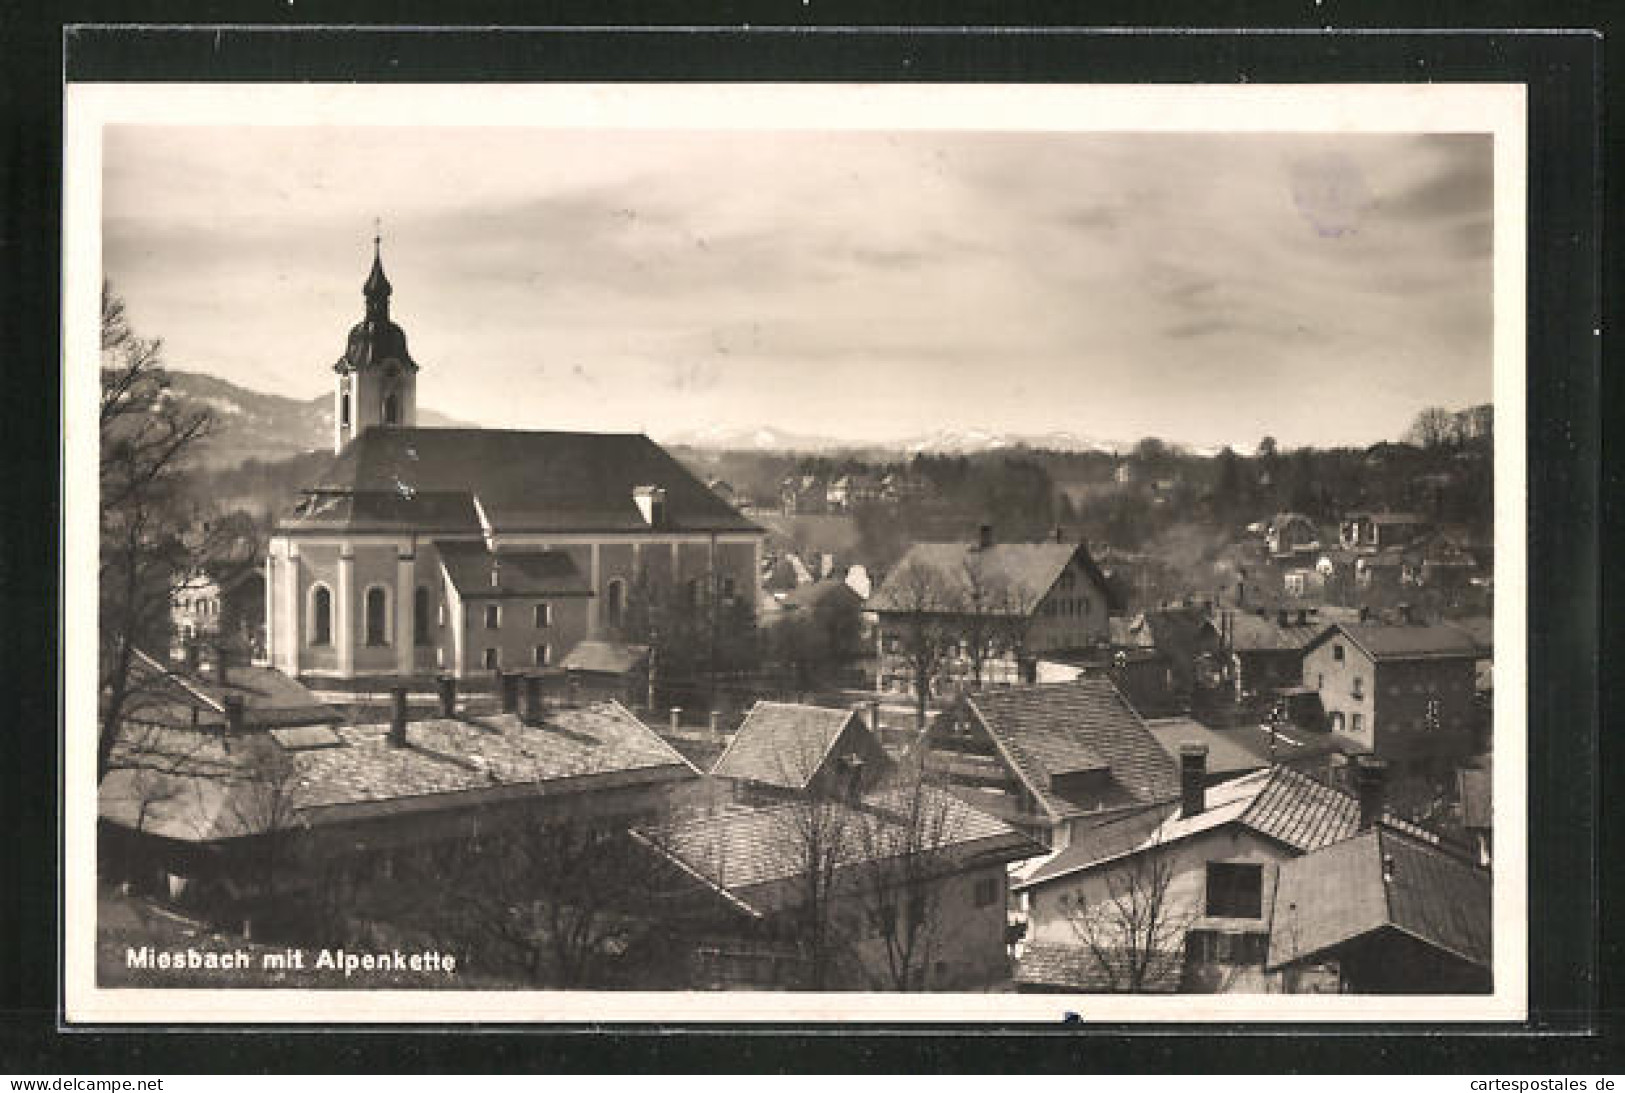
(427, 550)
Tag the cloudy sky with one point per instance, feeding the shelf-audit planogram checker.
(1205, 288)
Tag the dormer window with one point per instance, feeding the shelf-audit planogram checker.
(651, 502)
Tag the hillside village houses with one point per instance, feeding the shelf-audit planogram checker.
(1234, 754)
(463, 551)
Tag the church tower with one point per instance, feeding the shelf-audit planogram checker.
(377, 377)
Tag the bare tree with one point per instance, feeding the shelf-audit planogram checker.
(148, 546)
(1434, 427)
(264, 803)
(905, 835)
(1135, 935)
(922, 614)
(983, 607)
(550, 897)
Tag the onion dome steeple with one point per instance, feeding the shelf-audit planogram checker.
(376, 340)
(377, 377)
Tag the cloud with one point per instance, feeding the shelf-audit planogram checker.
(1157, 283)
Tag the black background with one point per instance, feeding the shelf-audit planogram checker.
(1573, 491)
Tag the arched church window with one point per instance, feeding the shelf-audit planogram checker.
(420, 616)
(615, 602)
(392, 409)
(344, 409)
(321, 616)
(377, 616)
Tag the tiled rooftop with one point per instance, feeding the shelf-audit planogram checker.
(518, 572)
(745, 852)
(1078, 968)
(782, 744)
(1058, 728)
(446, 764)
(1281, 803)
(1378, 879)
(1013, 577)
(532, 480)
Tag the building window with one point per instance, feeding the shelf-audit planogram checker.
(420, 616)
(1337, 653)
(728, 588)
(1337, 721)
(1235, 890)
(543, 656)
(986, 891)
(1359, 687)
(344, 409)
(392, 409)
(321, 616)
(492, 660)
(377, 616)
(694, 592)
(615, 601)
(543, 616)
(1359, 722)
(493, 616)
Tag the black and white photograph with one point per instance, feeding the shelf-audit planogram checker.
(794, 552)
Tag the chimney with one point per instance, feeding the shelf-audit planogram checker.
(234, 715)
(446, 685)
(1370, 772)
(1365, 613)
(397, 717)
(1060, 534)
(676, 718)
(874, 716)
(508, 684)
(1192, 779)
(984, 537)
(716, 724)
(533, 699)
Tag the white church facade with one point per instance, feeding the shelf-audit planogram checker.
(427, 550)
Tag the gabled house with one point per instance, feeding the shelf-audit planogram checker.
(784, 746)
(1406, 693)
(1209, 863)
(1017, 600)
(1291, 535)
(1376, 531)
(1044, 757)
(911, 892)
(1266, 650)
(850, 490)
(1392, 913)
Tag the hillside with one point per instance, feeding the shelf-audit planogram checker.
(261, 426)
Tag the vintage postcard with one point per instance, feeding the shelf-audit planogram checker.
(700, 553)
